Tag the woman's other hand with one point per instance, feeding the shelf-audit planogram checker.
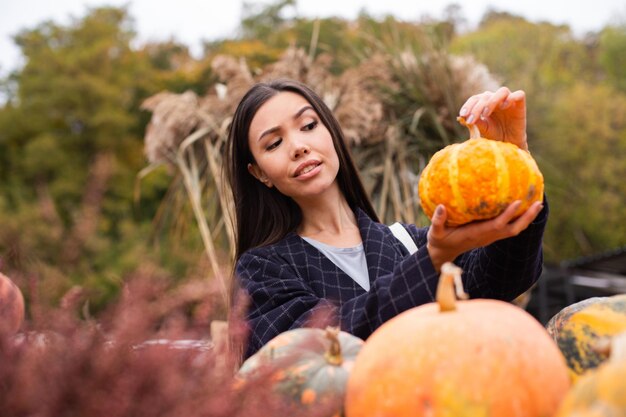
(446, 243)
(499, 115)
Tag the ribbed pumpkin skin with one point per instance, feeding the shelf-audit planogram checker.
(487, 358)
(11, 306)
(477, 179)
(577, 327)
(600, 392)
(299, 369)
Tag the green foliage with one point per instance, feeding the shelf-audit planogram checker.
(71, 146)
(532, 56)
(582, 150)
(612, 56)
(260, 21)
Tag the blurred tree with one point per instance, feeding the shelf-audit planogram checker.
(582, 158)
(533, 56)
(72, 144)
(612, 54)
(260, 20)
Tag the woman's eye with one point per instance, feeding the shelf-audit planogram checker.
(310, 126)
(274, 144)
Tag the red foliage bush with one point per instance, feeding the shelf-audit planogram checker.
(132, 362)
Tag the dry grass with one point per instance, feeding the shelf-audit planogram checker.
(397, 107)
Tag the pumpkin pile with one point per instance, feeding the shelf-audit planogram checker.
(478, 178)
(458, 358)
(307, 367)
(578, 327)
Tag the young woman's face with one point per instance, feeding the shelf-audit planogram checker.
(292, 149)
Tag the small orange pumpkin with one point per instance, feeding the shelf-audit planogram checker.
(11, 306)
(467, 358)
(477, 179)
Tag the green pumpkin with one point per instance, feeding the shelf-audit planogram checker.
(306, 366)
(578, 327)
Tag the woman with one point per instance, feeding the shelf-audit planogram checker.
(309, 241)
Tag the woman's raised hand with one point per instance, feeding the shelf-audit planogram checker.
(499, 115)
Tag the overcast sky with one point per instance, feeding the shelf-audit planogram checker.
(191, 21)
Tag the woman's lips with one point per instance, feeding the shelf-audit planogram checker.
(306, 167)
(308, 170)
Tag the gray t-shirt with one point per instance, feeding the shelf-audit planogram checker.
(350, 260)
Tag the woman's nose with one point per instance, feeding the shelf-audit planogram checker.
(300, 150)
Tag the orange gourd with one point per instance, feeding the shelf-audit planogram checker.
(466, 358)
(477, 179)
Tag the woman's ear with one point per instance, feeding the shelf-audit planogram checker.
(257, 173)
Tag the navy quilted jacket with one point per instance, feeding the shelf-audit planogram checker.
(291, 280)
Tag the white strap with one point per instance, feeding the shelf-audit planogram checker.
(403, 236)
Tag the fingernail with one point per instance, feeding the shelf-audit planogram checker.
(463, 112)
(439, 210)
(470, 119)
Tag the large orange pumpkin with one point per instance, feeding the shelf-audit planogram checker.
(477, 179)
(466, 358)
(11, 306)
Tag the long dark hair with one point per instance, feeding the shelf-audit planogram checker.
(264, 215)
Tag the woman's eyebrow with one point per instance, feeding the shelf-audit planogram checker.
(302, 110)
(276, 128)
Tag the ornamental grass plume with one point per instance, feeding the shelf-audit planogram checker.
(359, 106)
(174, 117)
(148, 355)
(471, 76)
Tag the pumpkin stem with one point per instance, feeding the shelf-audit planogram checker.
(450, 287)
(613, 347)
(618, 348)
(333, 354)
(473, 129)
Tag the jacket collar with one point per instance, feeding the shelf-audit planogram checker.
(382, 249)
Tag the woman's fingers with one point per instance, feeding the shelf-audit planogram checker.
(482, 105)
(466, 109)
(517, 96)
(456, 240)
(505, 225)
(495, 100)
(438, 222)
(518, 225)
(507, 215)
